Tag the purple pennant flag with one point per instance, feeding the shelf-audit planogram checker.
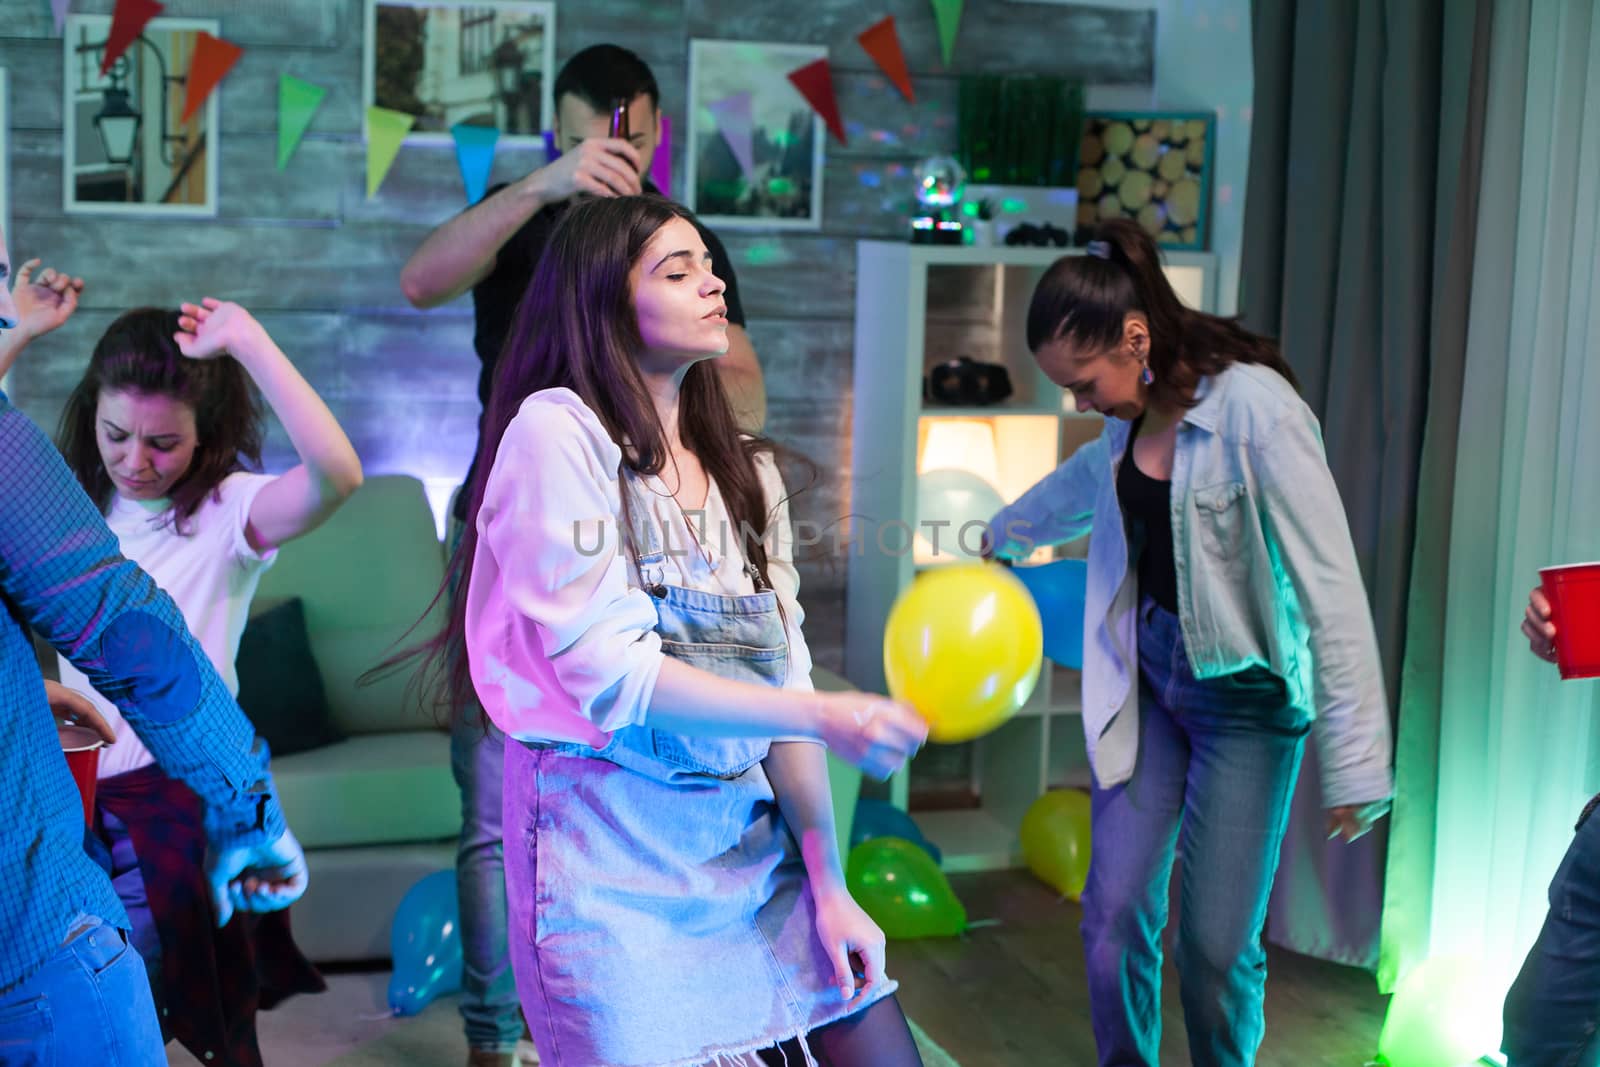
(59, 9)
(737, 123)
(661, 165)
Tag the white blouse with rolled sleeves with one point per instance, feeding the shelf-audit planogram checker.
(560, 635)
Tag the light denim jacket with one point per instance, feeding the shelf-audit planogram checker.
(1266, 575)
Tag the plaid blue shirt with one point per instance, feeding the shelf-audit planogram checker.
(62, 574)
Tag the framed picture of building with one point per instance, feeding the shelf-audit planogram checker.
(485, 63)
(1153, 167)
(125, 149)
(755, 144)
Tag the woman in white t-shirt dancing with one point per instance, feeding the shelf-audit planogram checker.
(161, 431)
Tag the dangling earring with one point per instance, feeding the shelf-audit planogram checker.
(1147, 376)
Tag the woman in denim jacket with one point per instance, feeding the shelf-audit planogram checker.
(630, 622)
(1225, 619)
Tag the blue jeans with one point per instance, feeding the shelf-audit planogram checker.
(1553, 1009)
(490, 1012)
(128, 880)
(1215, 772)
(90, 1003)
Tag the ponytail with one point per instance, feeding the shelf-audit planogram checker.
(1085, 300)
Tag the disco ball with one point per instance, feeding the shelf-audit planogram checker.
(940, 183)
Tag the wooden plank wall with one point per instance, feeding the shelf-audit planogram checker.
(319, 263)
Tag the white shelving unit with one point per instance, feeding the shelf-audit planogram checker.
(916, 306)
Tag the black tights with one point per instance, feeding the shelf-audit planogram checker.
(876, 1037)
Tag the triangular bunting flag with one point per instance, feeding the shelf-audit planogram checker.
(386, 131)
(297, 102)
(815, 82)
(948, 14)
(736, 121)
(59, 9)
(882, 43)
(475, 157)
(661, 165)
(127, 23)
(213, 58)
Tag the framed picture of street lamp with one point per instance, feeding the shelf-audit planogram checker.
(126, 149)
(482, 63)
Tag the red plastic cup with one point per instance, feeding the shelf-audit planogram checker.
(1574, 594)
(82, 748)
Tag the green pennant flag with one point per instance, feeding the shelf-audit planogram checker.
(297, 101)
(948, 15)
(386, 131)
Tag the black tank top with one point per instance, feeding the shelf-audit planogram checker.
(1146, 502)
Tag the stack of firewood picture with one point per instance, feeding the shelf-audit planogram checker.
(1150, 169)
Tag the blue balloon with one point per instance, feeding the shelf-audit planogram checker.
(1058, 589)
(425, 941)
(877, 818)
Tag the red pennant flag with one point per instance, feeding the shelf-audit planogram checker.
(127, 23)
(213, 58)
(882, 43)
(815, 82)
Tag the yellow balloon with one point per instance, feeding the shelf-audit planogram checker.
(963, 646)
(1055, 840)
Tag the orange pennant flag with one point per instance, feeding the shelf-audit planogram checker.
(882, 43)
(127, 23)
(213, 58)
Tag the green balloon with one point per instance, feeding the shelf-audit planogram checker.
(905, 892)
(1445, 1012)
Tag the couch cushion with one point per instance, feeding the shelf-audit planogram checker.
(280, 688)
(366, 576)
(371, 790)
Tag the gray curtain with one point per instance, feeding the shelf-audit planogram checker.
(1362, 131)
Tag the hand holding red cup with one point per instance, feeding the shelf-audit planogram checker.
(1560, 621)
(83, 732)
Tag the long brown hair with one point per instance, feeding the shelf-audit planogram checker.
(576, 328)
(1085, 300)
(137, 353)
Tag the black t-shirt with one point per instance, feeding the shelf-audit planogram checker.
(1145, 503)
(495, 298)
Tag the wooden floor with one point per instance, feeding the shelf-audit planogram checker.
(1013, 994)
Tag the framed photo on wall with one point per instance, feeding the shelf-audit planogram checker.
(124, 149)
(755, 144)
(1153, 167)
(484, 63)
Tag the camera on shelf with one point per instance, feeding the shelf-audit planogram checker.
(1026, 234)
(964, 382)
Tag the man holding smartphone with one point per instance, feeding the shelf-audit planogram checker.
(608, 124)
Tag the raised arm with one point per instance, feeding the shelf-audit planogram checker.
(45, 299)
(462, 251)
(300, 499)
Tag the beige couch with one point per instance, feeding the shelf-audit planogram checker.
(378, 810)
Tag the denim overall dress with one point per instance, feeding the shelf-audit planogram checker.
(659, 911)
